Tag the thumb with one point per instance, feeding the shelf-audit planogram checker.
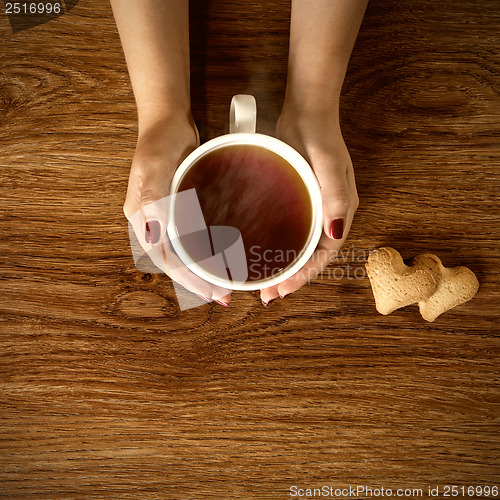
(146, 205)
(153, 204)
(336, 201)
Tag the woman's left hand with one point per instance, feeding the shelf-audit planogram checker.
(318, 138)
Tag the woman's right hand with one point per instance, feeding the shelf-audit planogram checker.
(161, 147)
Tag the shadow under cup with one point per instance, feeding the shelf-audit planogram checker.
(259, 194)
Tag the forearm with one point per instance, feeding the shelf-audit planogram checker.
(155, 40)
(322, 35)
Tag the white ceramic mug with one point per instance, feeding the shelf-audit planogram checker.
(242, 125)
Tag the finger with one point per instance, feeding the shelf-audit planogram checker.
(224, 301)
(268, 294)
(164, 256)
(336, 204)
(220, 294)
(153, 204)
(314, 266)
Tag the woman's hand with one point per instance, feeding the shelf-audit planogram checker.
(155, 40)
(322, 35)
(161, 147)
(316, 135)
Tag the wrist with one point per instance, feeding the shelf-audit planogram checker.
(315, 81)
(312, 96)
(153, 114)
(312, 105)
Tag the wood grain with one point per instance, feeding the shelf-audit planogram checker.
(108, 390)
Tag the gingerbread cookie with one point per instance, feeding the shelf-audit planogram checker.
(395, 284)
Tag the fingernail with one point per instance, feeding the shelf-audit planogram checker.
(221, 303)
(282, 296)
(337, 229)
(153, 231)
(264, 303)
(203, 298)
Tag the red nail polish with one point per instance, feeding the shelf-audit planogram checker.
(153, 231)
(337, 229)
(221, 303)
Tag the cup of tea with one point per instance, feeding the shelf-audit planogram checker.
(254, 214)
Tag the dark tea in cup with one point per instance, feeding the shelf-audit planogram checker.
(259, 193)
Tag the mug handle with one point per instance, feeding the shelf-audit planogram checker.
(243, 114)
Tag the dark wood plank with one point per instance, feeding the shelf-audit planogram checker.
(108, 390)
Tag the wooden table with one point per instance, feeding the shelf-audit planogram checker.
(108, 390)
